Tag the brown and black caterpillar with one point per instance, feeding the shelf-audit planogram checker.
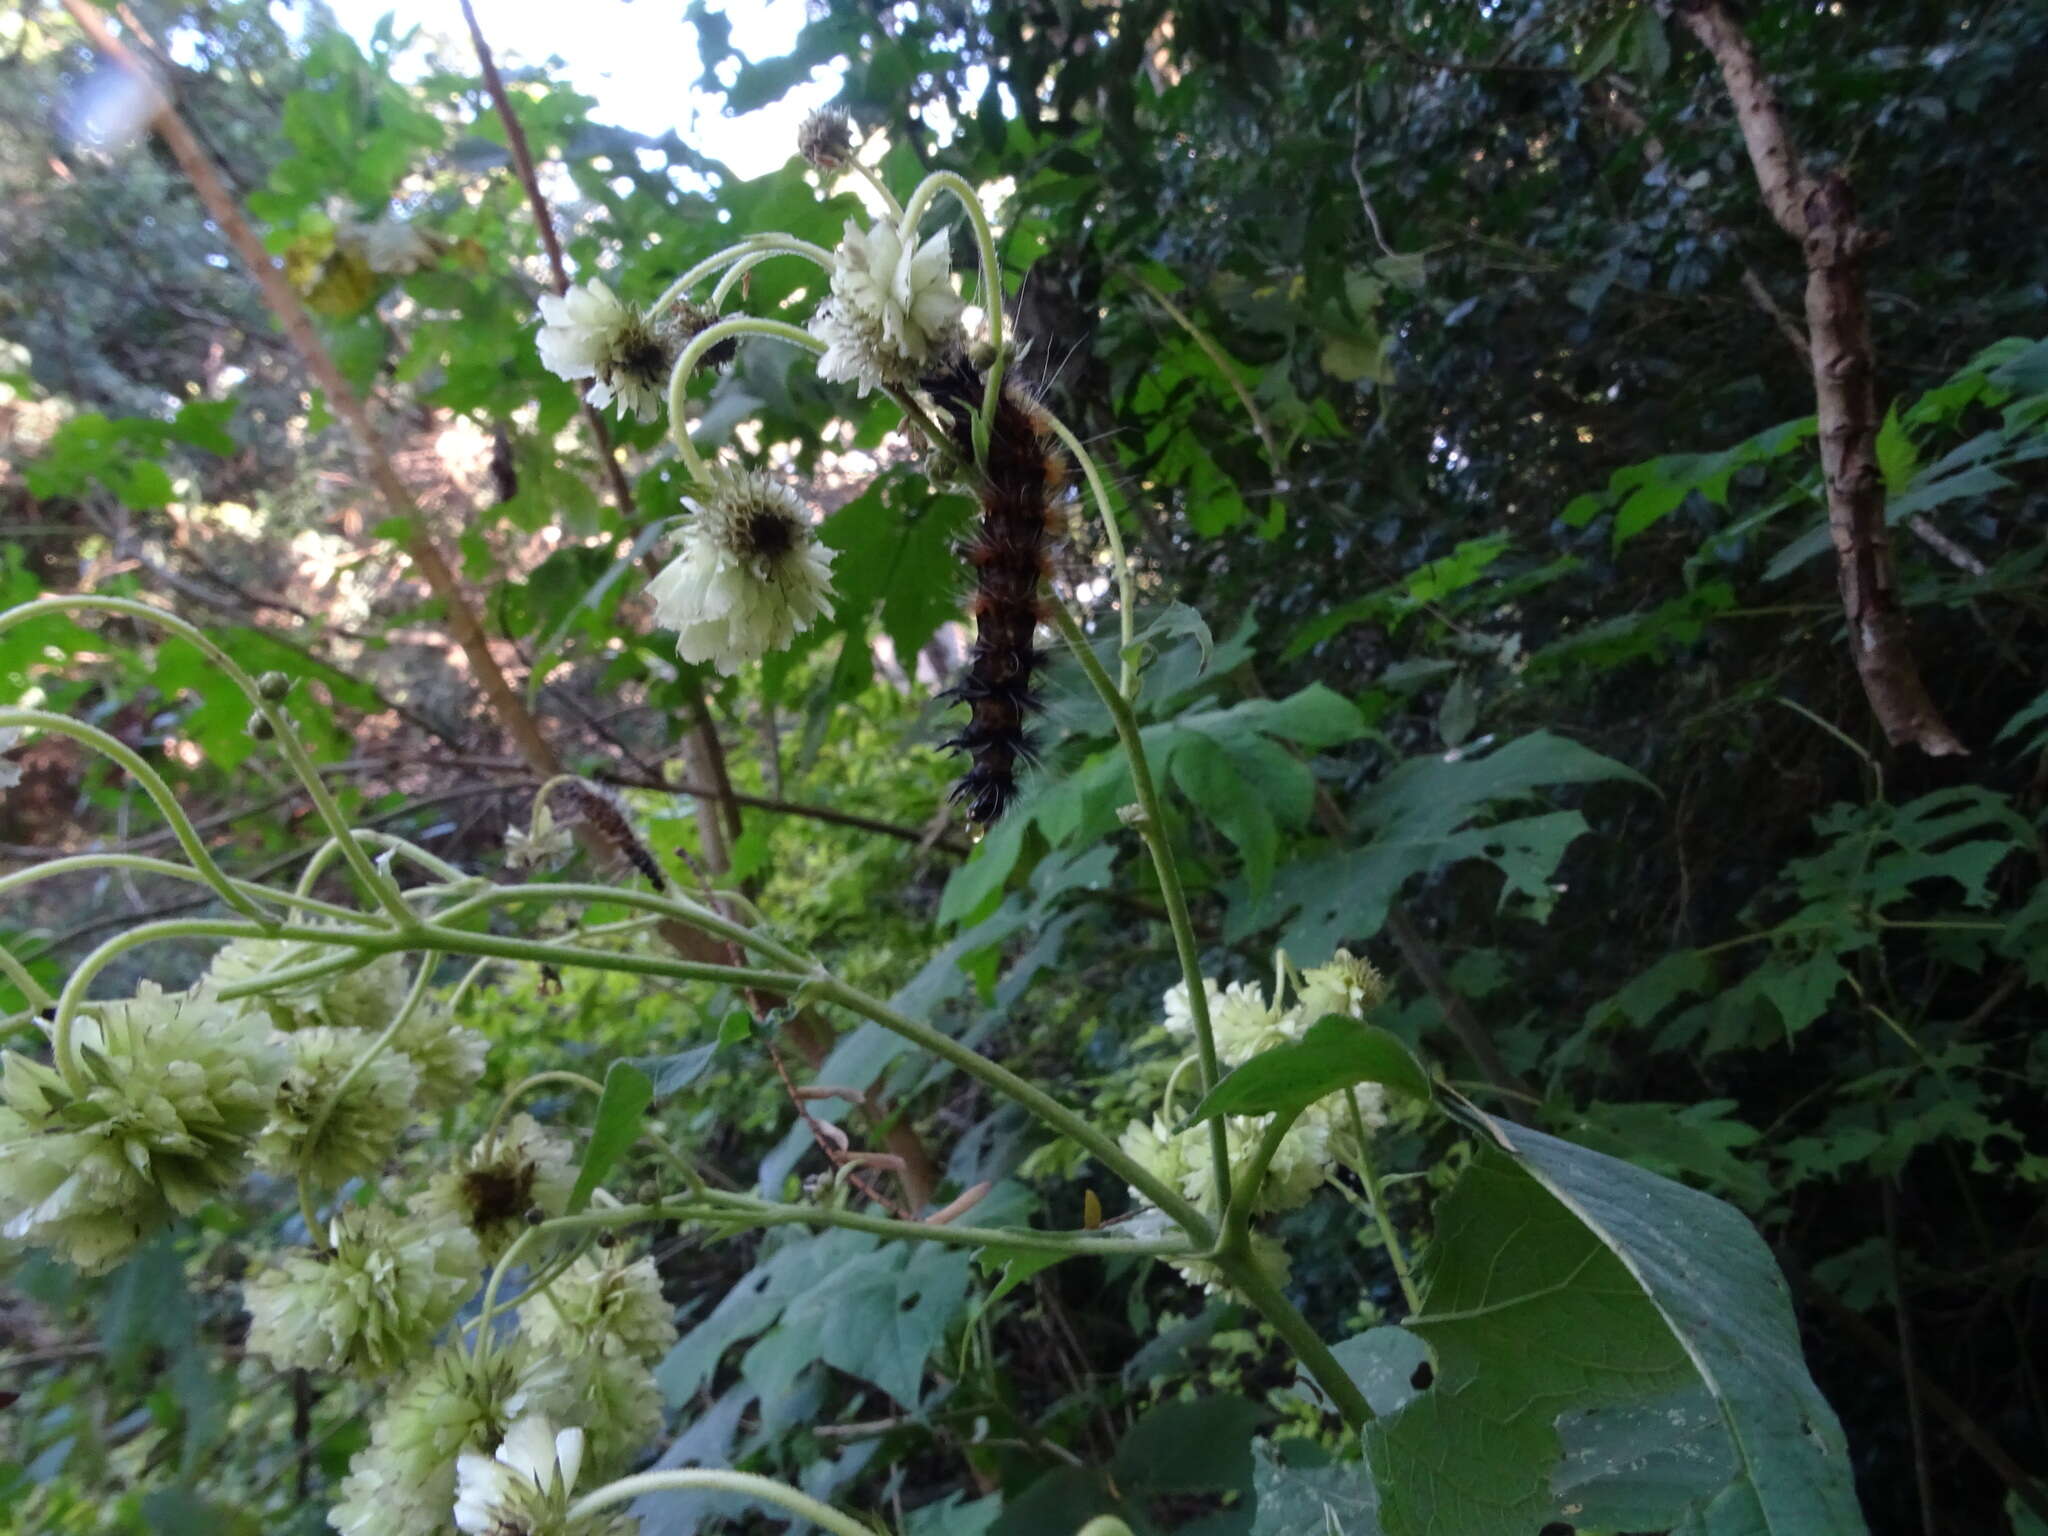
(1009, 554)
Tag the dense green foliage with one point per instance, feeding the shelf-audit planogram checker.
(1436, 360)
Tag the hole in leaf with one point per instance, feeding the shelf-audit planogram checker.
(1422, 1378)
(1557, 1528)
(908, 1303)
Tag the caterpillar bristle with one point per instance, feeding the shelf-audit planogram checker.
(1011, 563)
(611, 823)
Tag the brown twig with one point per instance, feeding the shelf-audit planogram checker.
(1820, 213)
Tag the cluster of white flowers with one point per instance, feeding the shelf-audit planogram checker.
(177, 1088)
(371, 1301)
(591, 333)
(751, 575)
(892, 312)
(339, 1110)
(1243, 1023)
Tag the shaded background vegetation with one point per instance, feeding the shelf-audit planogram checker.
(1398, 330)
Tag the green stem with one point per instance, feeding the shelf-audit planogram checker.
(679, 908)
(1152, 825)
(1251, 1282)
(704, 341)
(767, 244)
(1041, 1104)
(716, 1205)
(713, 1480)
(142, 864)
(873, 179)
(1126, 581)
(1237, 1220)
(1376, 1198)
(152, 785)
(31, 989)
(520, 1089)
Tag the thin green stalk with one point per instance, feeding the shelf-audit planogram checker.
(1041, 1104)
(753, 243)
(874, 179)
(413, 997)
(29, 987)
(1126, 581)
(704, 341)
(1376, 1198)
(679, 908)
(1152, 826)
(1237, 1220)
(520, 1089)
(376, 886)
(142, 864)
(1257, 1287)
(711, 1480)
(717, 1205)
(152, 785)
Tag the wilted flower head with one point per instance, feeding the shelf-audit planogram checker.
(892, 310)
(751, 577)
(371, 1301)
(403, 1482)
(337, 1114)
(1348, 984)
(683, 321)
(589, 333)
(539, 845)
(177, 1087)
(605, 1304)
(825, 138)
(524, 1489)
(490, 1189)
(390, 245)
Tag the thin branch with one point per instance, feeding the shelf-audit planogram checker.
(1820, 213)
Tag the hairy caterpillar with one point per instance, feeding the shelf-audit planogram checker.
(600, 812)
(1009, 556)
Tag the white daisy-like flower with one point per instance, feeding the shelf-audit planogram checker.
(523, 1490)
(751, 577)
(176, 1087)
(403, 1482)
(590, 333)
(370, 1301)
(892, 310)
(1348, 984)
(10, 773)
(538, 846)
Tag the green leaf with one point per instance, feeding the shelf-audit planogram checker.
(1016, 1264)
(627, 1093)
(1171, 623)
(1710, 1276)
(1301, 1492)
(1628, 1465)
(671, 1074)
(1212, 782)
(1336, 1053)
(1528, 1315)
(1204, 1446)
(1897, 458)
(143, 485)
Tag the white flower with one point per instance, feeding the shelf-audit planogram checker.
(524, 1489)
(371, 1301)
(392, 245)
(403, 1482)
(589, 333)
(326, 1130)
(1347, 985)
(541, 845)
(751, 577)
(10, 773)
(492, 1186)
(177, 1085)
(892, 309)
(1240, 1020)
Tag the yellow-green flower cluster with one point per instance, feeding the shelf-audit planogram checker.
(606, 1315)
(176, 1087)
(370, 1301)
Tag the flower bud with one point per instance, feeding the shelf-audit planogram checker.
(271, 687)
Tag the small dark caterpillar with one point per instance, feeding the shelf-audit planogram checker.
(611, 824)
(1010, 560)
